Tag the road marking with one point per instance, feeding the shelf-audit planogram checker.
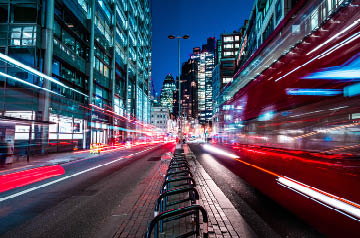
(66, 177)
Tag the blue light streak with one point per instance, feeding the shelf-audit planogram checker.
(352, 90)
(313, 92)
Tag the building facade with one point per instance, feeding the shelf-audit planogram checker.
(75, 72)
(168, 92)
(189, 98)
(223, 73)
(160, 117)
(196, 83)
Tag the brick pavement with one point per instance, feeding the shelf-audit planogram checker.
(136, 211)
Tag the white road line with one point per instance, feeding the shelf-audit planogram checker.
(66, 177)
(114, 161)
(18, 194)
(55, 181)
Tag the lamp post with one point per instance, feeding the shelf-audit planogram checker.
(171, 37)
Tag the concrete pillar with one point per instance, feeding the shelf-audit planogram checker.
(113, 72)
(44, 102)
(91, 68)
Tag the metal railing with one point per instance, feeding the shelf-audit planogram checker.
(177, 214)
(189, 182)
(181, 172)
(179, 184)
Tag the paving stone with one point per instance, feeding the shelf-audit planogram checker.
(224, 220)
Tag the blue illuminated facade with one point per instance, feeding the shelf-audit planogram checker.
(98, 52)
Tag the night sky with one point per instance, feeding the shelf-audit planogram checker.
(198, 18)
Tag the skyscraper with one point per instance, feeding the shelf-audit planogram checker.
(223, 73)
(197, 82)
(167, 92)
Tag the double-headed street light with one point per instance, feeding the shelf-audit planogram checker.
(171, 37)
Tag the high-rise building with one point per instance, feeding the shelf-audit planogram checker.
(189, 100)
(223, 73)
(167, 92)
(197, 82)
(90, 68)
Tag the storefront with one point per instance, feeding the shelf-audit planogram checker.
(100, 132)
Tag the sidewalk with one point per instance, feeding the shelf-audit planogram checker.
(132, 217)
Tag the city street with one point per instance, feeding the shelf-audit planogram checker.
(80, 204)
(266, 217)
(179, 118)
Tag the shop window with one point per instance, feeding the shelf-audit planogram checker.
(3, 13)
(24, 13)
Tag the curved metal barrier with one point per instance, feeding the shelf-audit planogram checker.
(193, 196)
(189, 181)
(178, 214)
(180, 178)
(185, 172)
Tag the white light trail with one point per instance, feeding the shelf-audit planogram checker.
(334, 36)
(27, 83)
(16, 63)
(339, 204)
(215, 150)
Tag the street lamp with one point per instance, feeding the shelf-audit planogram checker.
(171, 37)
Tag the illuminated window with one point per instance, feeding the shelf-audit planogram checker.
(105, 8)
(228, 39)
(314, 19)
(83, 4)
(25, 35)
(227, 80)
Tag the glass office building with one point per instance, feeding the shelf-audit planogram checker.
(73, 72)
(204, 65)
(168, 92)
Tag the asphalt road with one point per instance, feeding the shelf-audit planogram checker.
(265, 216)
(78, 205)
